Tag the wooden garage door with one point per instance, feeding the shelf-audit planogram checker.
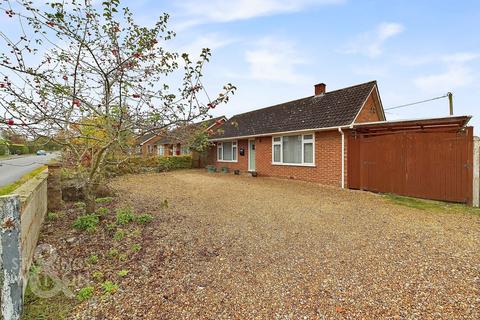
(425, 164)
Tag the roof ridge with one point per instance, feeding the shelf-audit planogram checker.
(308, 97)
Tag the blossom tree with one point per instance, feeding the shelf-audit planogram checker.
(87, 76)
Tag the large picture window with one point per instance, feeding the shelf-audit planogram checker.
(227, 151)
(294, 149)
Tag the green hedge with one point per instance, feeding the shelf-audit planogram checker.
(3, 150)
(18, 149)
(151, 164)
(174, 162)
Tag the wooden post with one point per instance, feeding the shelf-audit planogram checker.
(476, 172)
(10, 262)
(450, 102)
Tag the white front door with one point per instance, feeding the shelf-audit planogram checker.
(251, 155)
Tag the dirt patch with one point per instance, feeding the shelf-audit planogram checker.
(225, 246)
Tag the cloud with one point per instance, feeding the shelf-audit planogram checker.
(457, 73)
(227, 11)
(454, 77)
(450, 58)
(371, 43)
(213, 41)
(275, 60)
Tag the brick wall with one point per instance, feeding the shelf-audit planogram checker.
(241, 164)
(327, 168)
(371, 111)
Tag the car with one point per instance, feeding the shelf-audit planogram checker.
(41, 153)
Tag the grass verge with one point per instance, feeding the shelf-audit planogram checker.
(56, 308)
(431, 205)
(9, 188)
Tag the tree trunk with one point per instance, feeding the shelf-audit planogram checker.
(90, 191)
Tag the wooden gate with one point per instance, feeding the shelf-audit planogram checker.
(433, 163)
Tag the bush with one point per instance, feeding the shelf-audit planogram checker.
(3, 149)
(109, 287)
(150, 164)
(105, 200)
(85, 293)
(87, 222)
(125, 216)
(18, 149)
(174, 162)
(144, 218)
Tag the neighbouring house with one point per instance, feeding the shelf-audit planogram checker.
(174, 142)
(301, 139)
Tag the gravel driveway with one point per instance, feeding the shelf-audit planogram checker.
(261, 248)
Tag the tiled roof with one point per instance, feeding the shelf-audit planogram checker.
(178, 134)
(332, 109)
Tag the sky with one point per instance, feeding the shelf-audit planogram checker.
(276, 50)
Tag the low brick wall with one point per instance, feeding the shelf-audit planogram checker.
(21, 218)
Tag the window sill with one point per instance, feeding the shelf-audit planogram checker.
(311, 165)
(228, 161)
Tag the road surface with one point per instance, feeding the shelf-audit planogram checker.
(14, 168)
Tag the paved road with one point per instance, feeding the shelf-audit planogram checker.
(13, 168)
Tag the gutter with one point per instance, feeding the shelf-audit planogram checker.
(343, 156)
(279, 133)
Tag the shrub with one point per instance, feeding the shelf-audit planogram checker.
(136, 247)
(102, 211)
(119, 235)
(174, 162)
(123, 273)
(92, 259)
(3, 149)
(87, 222)
(54, 215)
(125, 216)
(105, 200)
(18, 149)
(97, 275)
(144, 218)
(112, 253)
(85, 293)
(109, 287)
(79, 205)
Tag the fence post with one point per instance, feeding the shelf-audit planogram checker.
(476, 172)
(10, 262)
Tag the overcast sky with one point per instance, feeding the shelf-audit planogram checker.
(276, 50)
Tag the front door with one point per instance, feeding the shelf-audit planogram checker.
(251, 155)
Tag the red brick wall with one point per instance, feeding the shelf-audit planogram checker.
(242, 163)
(327, 168)
(370, 111)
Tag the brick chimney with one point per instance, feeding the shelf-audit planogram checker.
(320, 88)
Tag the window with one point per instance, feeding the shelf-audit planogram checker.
(161, 150)
(227, 151)
(294, 149)
(185, 150)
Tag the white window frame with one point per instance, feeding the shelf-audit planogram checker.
(161, 150)
(220, 154)
(280, 143)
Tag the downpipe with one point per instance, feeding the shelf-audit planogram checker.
(343, 157)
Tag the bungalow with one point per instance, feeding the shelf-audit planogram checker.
(174, 142)
(301, 139)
